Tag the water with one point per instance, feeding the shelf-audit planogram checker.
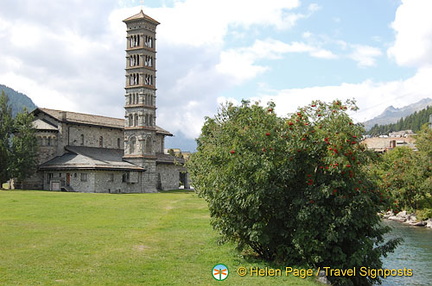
(415, 252)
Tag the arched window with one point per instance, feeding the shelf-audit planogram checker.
(148, 146)
(132, 145)
(118, 143)
(136, 119)
(130, 119)
(82, 139)
(101, 141)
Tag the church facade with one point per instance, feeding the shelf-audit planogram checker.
(91, 153)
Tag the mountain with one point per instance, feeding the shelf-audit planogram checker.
(179, 140)
(392, 114)
(17, 100)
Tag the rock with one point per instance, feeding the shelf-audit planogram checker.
(402, 214)
(428, 223)
(419, 223)
(322, 278)
(411, 219)
(396, 218)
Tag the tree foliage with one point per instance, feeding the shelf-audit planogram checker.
(407, 174)
(292, 189)
(18, 145)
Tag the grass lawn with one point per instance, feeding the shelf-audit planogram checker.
(52, 238)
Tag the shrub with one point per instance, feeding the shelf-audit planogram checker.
(293, 190)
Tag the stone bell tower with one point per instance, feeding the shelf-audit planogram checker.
(140, 97)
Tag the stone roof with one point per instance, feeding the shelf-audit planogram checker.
(90, 119)
(83, 118)
(90, 158)
(141, 16)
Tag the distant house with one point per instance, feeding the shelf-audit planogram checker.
(402, 133)
(383, 144)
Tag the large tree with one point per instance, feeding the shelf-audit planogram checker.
(292, 189)
(18, 145)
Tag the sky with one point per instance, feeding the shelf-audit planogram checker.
(70, 55)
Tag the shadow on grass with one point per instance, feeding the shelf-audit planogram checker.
(177, 191)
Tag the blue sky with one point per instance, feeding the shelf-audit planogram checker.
(70, 55)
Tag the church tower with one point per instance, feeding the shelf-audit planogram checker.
(140, 97)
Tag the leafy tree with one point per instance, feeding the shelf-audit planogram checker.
(18, 146)
(424, 141)
(406, 174)
(292, 189)
(402, 176)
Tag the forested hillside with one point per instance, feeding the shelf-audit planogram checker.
(17, 100)
(413, 122)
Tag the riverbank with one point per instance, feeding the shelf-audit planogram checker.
(407, 218)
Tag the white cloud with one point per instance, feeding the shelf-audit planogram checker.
(198, 23)
(241, 63)
(365, 56)
(372, 97)
(413, 27)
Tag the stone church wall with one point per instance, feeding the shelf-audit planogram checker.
(92, 136)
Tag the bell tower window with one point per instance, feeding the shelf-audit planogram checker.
(134, 41)
(148, 42)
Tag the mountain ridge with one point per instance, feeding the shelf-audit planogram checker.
(17, 100)
(392, 114)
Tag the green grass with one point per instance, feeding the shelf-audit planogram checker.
(50, 238)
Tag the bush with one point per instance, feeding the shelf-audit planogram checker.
(293, 190)
(424, 214)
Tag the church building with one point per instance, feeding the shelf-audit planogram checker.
(90, 153)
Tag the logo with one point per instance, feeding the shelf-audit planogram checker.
(220, 272)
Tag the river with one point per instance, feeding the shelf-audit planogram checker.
(415, 252)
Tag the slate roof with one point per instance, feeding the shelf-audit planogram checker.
(90, 119)
(90, 158)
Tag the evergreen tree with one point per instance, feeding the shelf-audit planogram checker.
(18, 145)
(24, 147)
(6, 123)
(412, 122)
